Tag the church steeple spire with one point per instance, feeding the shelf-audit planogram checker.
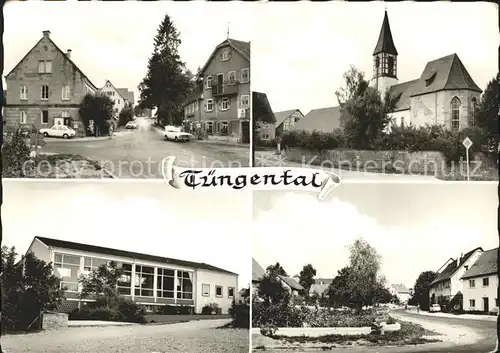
(385, 42)
(385, 59)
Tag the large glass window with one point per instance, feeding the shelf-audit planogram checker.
(184, 285)
(165, 283)
(455, 114)
(144, 281)
(91, 263)
(67, 268)
(125, 281)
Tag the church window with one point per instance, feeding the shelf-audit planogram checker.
(472, 118)
(390, 64)
(455, 114)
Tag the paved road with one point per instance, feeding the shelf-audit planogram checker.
(139, 154)
(192, 337)
(270, 159)
(487, 329)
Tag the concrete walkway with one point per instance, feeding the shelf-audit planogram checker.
(88, 138)
(208, 140)
(96, 323)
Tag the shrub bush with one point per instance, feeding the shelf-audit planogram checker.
(209, 309)
(241, 315)
(126, 115)
(125, 311)
(282, 314)
(15, 155)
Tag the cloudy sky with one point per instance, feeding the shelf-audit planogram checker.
(414, 227)
(114, 40)
(149, 218)
(301, 50)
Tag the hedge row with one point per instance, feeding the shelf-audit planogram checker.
(404, 138)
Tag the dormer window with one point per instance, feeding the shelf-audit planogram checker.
(430, 79)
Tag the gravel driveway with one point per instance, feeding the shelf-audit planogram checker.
(195, 336)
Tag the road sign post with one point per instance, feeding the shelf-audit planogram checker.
(467, 144)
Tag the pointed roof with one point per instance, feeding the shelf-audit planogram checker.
(454, 266)
(119, 93)
(282, 116)
(291, 282)
(257, 271)
(125, 93)
(385, 43)
(446, 73)
(243, 48)
(261, 108)
(487, 264)
(65, 56)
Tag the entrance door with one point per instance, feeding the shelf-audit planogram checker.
(486, 305)
(245, 132)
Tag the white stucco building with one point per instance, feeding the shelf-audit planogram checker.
(480, 284)
(149, 280)
(120, 97)
(401, 292)
(447, 287)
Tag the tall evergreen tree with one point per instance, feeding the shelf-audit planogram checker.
(167, 81)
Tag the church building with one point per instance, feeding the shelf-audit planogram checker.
(444, 94)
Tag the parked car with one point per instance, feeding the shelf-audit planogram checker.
(131, 125)
(176, 134)
(435, 308)
(59, 131)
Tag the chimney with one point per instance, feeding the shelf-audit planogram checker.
(68, 53)
(46, 34)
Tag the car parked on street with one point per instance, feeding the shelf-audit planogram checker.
(176, 134)
(131, 125)
(59, 131)
(435, 308)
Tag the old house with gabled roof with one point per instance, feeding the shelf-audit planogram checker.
(222, 107)
(480, 284)
(444, 94)
(46, 88)
(447, 288)
(286, 119)
(401, 292)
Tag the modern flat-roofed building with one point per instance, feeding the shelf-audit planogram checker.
(149, 280)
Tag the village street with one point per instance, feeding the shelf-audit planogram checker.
(460, 336)
(139, 153)
(194, 336)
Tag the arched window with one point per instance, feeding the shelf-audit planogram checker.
(455, 114)
(473, 109)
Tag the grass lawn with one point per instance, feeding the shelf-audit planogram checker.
(410, 334)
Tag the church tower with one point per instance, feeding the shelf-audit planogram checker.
(384, 60)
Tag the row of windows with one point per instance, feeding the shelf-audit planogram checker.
(225, 103)
(486, 282)
(219, 291)
(472, 302)
(67, 267)
(44, 116)
(44, 92)
(231, 78)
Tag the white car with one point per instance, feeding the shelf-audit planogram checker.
(176, 134)
(131, 125)
(59, 131)
(435, 308)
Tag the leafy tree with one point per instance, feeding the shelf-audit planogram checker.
(487, 113)
(276, 270)
(364, 262)
(339, 291)
(102, 284)
(421, 289)
(126, 115)
(28, 287)
(167, 82)
(137, 111)
(381, 294)
(15, 155)
(363, 112)
(307, 277)
(98, 108)
(271, 290)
